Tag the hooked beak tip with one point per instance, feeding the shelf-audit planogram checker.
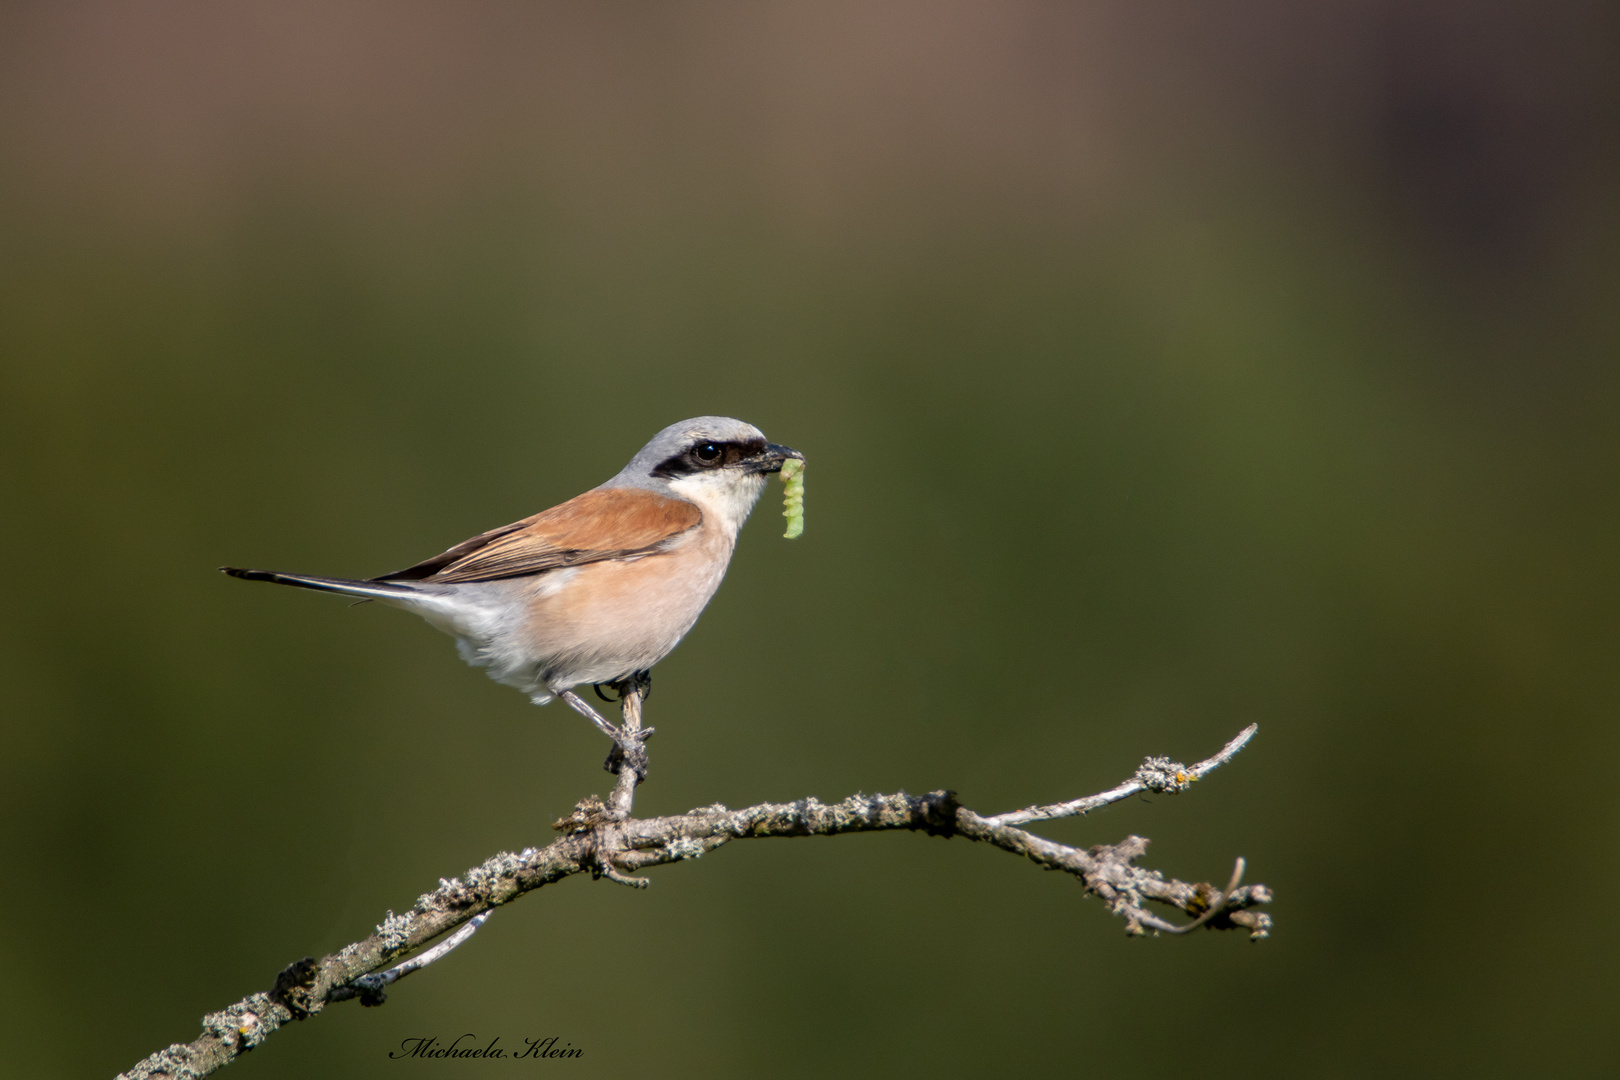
(775, 455)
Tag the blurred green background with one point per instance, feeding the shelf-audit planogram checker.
(1162, 368)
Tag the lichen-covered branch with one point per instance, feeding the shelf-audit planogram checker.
(602, 840)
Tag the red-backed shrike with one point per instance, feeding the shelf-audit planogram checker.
(603, 586)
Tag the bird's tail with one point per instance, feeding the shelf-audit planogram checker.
(376, 589)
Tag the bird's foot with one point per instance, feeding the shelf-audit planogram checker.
(627, 738)
(629, 748)
(640, 683)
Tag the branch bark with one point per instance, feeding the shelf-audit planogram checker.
(603, 840)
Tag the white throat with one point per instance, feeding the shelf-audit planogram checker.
(726, 497)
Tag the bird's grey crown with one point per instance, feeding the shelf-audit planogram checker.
(673, 440)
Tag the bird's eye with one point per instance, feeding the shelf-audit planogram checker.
(708, 452)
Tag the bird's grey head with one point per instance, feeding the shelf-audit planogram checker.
(715, 461)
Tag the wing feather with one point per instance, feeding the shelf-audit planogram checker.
(609, 523)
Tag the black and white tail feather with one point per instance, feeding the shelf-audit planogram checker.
(374, 590)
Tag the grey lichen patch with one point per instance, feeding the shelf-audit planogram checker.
(351, 953)
(810, 810)
(172, 1063)
(450, 892)
(495, 878)
(1162, 774)
(245, 1024)
(588, 813)
(1123, 897)
(684, 848)
(395, 932)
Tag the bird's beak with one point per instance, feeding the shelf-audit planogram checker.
(770, 461)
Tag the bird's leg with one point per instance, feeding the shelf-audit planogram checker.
(629, 761)
(627, 741)
(581, 706)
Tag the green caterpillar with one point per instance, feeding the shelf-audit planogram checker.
(793, 497)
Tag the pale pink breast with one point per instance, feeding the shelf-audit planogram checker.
(618, 617)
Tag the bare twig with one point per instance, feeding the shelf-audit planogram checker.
(603, 840)
(631, 772)
(1215, 906)
(629, 760)
(369, 988)
(1154, 774)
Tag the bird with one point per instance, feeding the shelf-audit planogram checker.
(595, 590)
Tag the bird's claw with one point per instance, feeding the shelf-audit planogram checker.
(628, 747)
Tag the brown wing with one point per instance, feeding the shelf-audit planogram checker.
(614, 523)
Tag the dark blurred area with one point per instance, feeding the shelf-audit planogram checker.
(1161, 368)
